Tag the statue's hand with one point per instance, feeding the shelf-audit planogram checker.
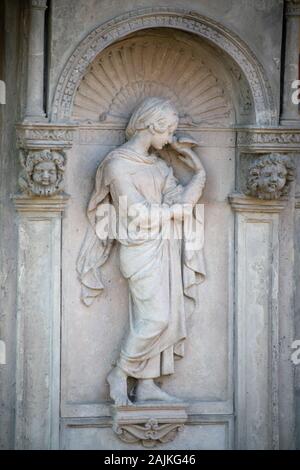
(183, 145)
(183, 142)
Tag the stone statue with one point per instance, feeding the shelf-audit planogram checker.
(160, 271)
(269, 176)
(42, 172)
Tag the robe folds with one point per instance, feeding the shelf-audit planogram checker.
(161, 271)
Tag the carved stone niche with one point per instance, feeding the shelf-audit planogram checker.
(149, 424)
(157, 63)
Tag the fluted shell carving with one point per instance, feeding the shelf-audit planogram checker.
(127, 72)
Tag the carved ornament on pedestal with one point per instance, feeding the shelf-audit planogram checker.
(149, 425)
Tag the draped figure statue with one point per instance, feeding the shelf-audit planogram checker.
(160, 270)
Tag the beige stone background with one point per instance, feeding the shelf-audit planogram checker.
(232, 332)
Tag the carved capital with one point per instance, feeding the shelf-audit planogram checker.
(38, 4)
(40, 136)
(241, 203)
(148, 425)
(43, 158)
(269, 176)
(39, 205)
(292, 8)
(43, 172)
(274, 139)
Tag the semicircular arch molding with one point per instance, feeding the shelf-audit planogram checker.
(122, 26)
(158, 62)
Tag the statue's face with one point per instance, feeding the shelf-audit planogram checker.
(272, 178)
(45, 173)
(160, 139)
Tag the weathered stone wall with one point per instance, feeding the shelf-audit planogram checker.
(12, 40)
(259, 23)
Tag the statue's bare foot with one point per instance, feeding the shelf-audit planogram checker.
(117, 380)
(147, 390)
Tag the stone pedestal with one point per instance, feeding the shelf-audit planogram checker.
(38, 322)
(148, 424)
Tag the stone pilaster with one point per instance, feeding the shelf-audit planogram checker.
(290, 111)
(297, 315)
(40, 206)
(257, 321)
(35, 76)
(38, 322)
(264, 145)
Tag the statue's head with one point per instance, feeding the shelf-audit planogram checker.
(157, 116)
(269, 176)
(43, 174)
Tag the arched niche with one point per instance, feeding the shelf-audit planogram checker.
(246, 69)
(206, 87)
(101, 102)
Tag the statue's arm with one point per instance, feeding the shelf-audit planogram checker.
(191, 192)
